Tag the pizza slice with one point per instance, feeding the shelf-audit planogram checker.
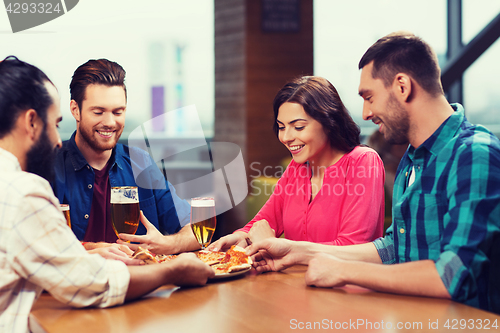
(235, 260)
(145, 255)
(210, 258)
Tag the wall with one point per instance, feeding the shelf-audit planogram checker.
(251, 65)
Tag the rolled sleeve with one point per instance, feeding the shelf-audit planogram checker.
(385, 248)
(471, 225)
(453, 272)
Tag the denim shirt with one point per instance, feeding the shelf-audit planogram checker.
(74, 184)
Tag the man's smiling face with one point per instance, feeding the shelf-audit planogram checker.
(102, 116)
(382, 108)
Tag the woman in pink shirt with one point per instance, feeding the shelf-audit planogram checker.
(332, 192)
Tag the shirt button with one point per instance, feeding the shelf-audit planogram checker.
(89, 186)
(86, 216)
(402, 230)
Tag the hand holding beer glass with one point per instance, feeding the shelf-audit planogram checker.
(125, 209)
(203, 220)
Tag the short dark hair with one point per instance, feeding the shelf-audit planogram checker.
(321, 101)
(403, 52)
(22, 87)
(100, 71)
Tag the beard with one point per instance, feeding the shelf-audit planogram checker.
(397, 125)
(88, 135)
(41, 156)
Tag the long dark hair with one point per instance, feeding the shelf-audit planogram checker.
(321, 101)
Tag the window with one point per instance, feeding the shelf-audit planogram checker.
(158, 42)
(481, 93)
(343, 30)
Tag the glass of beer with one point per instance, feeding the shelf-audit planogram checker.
(203, 220)
(125, 209)
(65, 210)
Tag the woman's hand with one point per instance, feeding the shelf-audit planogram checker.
(224, 243)
(260, 230)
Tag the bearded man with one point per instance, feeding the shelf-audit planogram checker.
(92, 161)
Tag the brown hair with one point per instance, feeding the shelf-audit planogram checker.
(321, 101)
(101, 71)
(403, 52)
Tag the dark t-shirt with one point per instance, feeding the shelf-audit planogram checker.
(100, 228)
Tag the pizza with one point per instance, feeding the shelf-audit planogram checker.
(164, 257)
(210, 257)
(150, 258)
(234, 260)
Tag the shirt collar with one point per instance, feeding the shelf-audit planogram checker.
(443, 134)
(114, 160)
(12, 161)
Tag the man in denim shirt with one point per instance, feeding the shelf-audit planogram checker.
(92, 161)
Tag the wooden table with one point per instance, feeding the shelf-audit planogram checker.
(271, 302)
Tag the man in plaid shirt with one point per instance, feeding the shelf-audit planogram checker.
(445, 237)
(37, 249)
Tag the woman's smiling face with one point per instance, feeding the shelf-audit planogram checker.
(304, 136)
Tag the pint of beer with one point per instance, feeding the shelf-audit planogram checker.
(203, 219)
(65, 210)
(125, 209)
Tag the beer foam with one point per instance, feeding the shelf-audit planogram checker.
(123, 200)
(64, 207)
(124, 195)
(203, 202)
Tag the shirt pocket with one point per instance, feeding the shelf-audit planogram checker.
(429, 217)
(148, 207)
(146, 204)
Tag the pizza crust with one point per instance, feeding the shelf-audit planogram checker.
(144, 255)
(228, 268)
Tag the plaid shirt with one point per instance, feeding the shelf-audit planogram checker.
(38, 251)
(451, 212)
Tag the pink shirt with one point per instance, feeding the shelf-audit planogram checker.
(348, 209)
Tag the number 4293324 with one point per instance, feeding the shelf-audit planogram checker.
(41, 8)
(478, 324)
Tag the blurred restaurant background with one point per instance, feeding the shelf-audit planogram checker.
(228, 58)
